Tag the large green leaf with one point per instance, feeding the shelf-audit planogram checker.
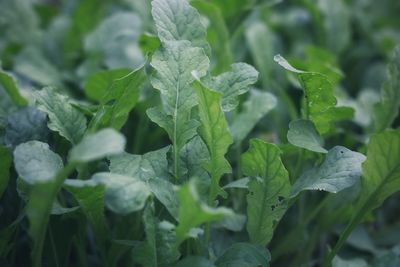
(36, 163)
(320, 102)
(256, 107)
(268, 189)
(233, 83)
(176, 20)
(153, 164)
(340, 170)
(63, 117)
(387, 109)
(381, 170)
(151, 168)
(106, 142)
(123, 194)
(5, 164)
(244, 255)
(193, 213)
(174, 64)
(215, 133)
(8, 83)
(119, 99)
(302, 133)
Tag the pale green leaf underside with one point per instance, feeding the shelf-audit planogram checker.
(302, 133)
(265, 201)
(176, 20)
(151, 168)
(174, 63)
(36, 163)
(233, 83)
(341, 169)
(95, 146)
(123, 194)
(63, 117)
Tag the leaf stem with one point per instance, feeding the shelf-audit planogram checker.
(40, 234)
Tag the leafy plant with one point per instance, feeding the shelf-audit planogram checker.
(138, 133)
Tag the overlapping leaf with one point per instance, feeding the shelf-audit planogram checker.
(268, 189)
(341, 169)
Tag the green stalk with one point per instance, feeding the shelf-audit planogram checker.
(40, 234)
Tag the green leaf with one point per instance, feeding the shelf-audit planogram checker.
(153, 164)
(340, 170)
(24, 125)
(233, 83)
(381, 170)
(146, 254)
(387, 109)
(176, 20)
(90, 197)
(174, 64)
(268, 189)
(151, 168)
(159, 248)
(95, 146)
(9, 84)
(256, 107)
(214, 131)
(217, 34)
(97, 85)
(119, 99)
(260, 41)
(320, 102)
(123, 194)
(63, 117)
(36, 163)
(193, 213)
(244, 255)
(381, 179)
(302, 133)
(117, 39)
(193, 155)
(5, 164)
(336, 15)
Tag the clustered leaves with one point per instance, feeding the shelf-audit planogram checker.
(133, 138)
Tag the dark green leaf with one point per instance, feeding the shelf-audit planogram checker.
(268, 189)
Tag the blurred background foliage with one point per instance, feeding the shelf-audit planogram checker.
(64, 43)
